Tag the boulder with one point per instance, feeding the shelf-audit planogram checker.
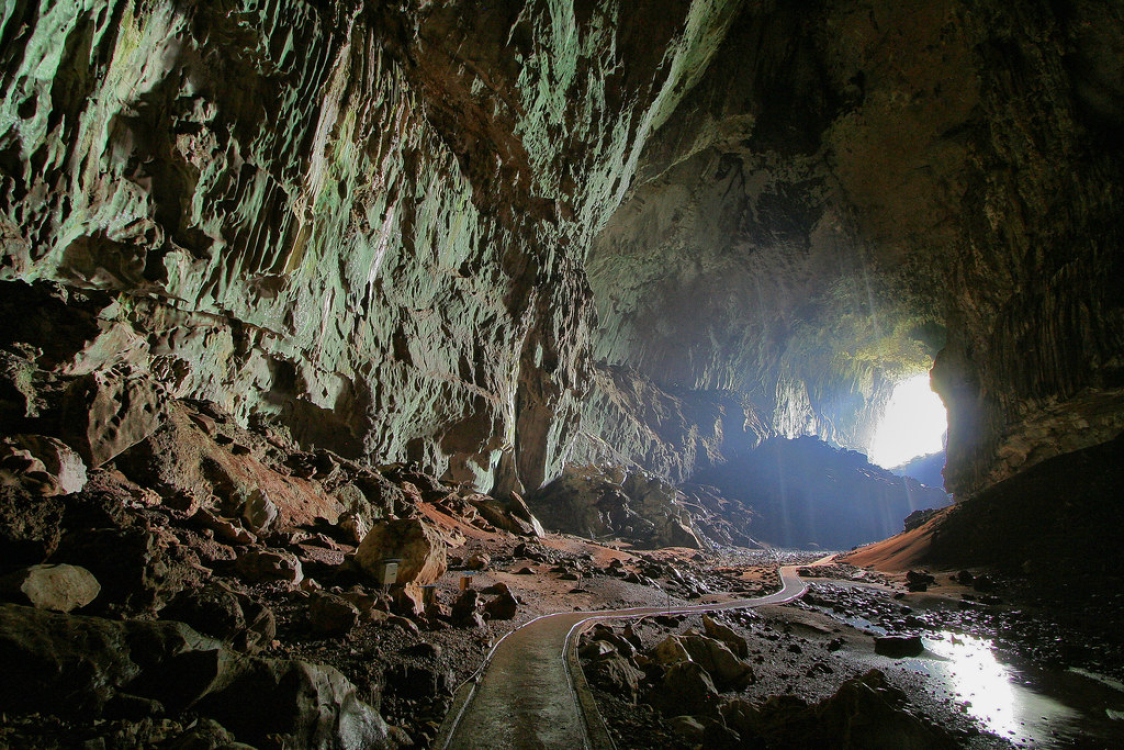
(727, 635)
(60, 588)
(331, 615)
(418, 546)
(309, 705)
(669, 651)
(899, 646)
(68, 665)
(615, 673)
(135, 568)
(466, 610)
(110, 411)
(686, 689)
(30, 526)
(724, 668)
(866, 713)
(413, 682)
(213, 609)
(599, 502)
(42, 465)
(503, 607)
(269, 566)
(258, 512)
(511, 514)
(478, 561)
(408, 600)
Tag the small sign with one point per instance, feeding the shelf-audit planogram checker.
(390, 573)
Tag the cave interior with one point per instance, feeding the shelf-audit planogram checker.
(647, 272)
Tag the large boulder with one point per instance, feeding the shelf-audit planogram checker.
(311, 705)
(686, 689)
(60, 588)
(726, 669)
(866, 713)
(70, 665)
(418, 546)
(110, 411)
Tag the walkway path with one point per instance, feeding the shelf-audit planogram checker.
(532, 693)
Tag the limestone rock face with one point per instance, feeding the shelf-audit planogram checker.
(419, 547)
(42, 464)
(820, 217)
(493, 239)
(363, 221)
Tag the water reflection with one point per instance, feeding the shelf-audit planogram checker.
(1035, 709)
(992, 692)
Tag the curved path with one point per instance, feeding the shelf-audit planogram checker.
(532, 693)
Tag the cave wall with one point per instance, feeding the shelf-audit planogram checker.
(361, 221)
(854, 187)
(494, 239)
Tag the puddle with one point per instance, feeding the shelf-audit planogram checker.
(1030, 707)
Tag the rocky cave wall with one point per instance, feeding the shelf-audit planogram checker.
(382, 226)
(363, 222)
(854, 187)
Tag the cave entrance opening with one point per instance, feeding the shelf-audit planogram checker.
(913, 424)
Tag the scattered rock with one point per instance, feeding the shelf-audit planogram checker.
(269, 566)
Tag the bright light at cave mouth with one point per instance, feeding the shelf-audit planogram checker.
(914, 424)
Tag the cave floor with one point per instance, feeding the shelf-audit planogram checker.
(992, 674)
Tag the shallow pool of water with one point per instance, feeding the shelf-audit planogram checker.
(1028, 706)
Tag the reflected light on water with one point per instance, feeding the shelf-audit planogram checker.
(990, 691)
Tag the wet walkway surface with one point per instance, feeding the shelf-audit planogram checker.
(529, 696)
